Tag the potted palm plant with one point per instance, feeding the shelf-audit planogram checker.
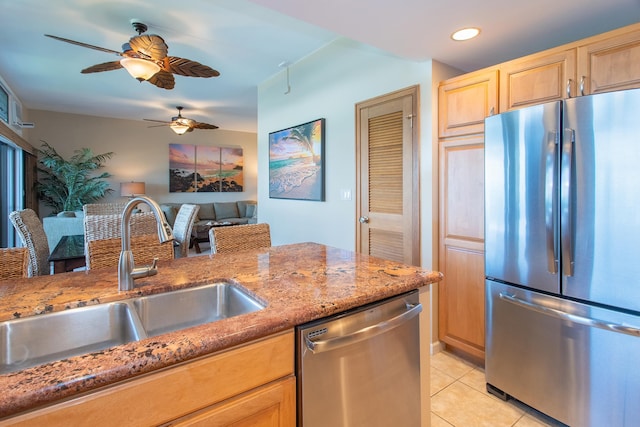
(66, 185)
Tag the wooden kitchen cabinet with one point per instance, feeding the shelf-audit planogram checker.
(603, 63)
(464, 102)
(273, 405)
(536, 79)
(251, 384)
(610, 62)
(461, 249)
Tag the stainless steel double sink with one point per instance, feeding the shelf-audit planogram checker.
(46, 338)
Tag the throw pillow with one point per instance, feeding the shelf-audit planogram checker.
(251, 208)
(206, 211)
(226, 210)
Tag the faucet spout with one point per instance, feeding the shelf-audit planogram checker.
(127, 271)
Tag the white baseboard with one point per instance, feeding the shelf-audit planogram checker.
(436, 347)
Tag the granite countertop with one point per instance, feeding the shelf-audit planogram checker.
(299, 283)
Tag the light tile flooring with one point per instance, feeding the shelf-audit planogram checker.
(459, 399)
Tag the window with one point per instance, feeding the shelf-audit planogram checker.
(4, 105)
(12, 185)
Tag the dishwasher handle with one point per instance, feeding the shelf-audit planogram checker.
(364, 333)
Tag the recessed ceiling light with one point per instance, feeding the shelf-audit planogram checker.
(465, 34)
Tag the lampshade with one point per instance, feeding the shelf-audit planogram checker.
(131, 189)
(139, 68)
(179, 128)
(181, 124)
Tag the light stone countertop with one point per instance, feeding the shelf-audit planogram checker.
(299, 283)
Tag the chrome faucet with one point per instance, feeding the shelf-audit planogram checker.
(127, 271)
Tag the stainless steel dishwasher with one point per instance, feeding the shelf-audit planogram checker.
(362, 367)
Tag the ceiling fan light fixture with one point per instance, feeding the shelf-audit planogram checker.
(139, 68)
(179, 128)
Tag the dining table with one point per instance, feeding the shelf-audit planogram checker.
(68, 254)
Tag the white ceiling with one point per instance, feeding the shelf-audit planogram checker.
(247, 40)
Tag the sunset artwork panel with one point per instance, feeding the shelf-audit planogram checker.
(203, 168)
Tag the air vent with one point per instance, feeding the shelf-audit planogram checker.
(317, 333)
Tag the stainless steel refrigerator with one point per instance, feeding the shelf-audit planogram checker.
(562, 263)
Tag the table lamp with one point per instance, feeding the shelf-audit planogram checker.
(131, 189)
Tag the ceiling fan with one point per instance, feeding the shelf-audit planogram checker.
(182, 125)
(146, 58)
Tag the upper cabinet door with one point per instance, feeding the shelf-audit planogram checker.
(612, 63)
(538, 78)
(465, 102)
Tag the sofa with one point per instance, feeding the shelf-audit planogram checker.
(240, 212)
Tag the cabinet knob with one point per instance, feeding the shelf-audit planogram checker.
(363, 219)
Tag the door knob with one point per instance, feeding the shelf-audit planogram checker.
(363, 219)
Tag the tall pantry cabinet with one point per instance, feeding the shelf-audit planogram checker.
(603, 63)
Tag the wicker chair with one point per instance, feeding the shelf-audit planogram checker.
(101, 227)
(103, 208)
(31, 231)
(182, 228)
(239, 237)
(14, 263)
(105, 253)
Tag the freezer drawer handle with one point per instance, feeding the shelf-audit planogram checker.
(364, 333)
(595, 323)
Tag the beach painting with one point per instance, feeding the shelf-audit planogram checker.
(202, 168)
(231, 166)
(296, 162)
(182, 168)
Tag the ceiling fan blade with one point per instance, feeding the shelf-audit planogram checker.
(150, 45)
(189, 68)
(158, 121)
(90, 46)
(163, 79)
(199, 125)
(107, 66)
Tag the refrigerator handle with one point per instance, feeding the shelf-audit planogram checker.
(575, 318)
(549, 198)
(566, 191)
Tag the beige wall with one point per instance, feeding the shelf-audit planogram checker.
(141, 153)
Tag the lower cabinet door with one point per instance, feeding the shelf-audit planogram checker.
(273, 405)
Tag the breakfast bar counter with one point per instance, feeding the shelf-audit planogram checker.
(297, 283)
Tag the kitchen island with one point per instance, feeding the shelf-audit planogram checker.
(297, 283)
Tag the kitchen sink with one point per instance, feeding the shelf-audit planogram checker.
(181, 309)
(46, 338)
(39, 339)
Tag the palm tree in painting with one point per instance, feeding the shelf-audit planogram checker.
(303, 136)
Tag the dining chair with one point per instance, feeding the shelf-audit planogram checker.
(239, 237)
(182, 228)
(31, 232)
(105, 253)
(14, 263)
(104, 208)
(101, 227)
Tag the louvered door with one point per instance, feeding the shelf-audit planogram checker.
(388, 179)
